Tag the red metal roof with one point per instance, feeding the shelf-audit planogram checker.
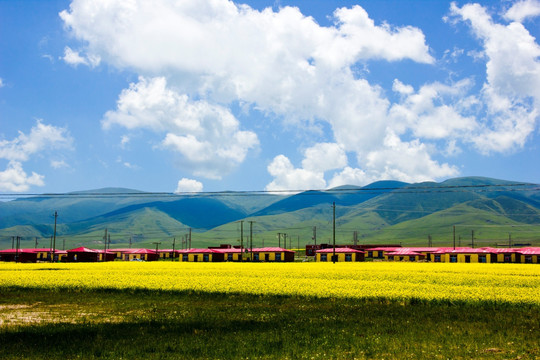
(340, 250)
(143, 251)
(200, 251)
(406, 252)
(271, 249)
(228, 251)
(529, 251)
(384, 248)
(83, 249)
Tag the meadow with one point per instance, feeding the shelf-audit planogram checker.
(295, 310)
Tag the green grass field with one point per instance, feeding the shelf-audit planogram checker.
(107, 324)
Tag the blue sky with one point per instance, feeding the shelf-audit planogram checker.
(214, 95)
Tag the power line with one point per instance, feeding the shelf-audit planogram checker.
(313, 192)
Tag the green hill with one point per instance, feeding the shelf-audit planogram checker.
(491, 210)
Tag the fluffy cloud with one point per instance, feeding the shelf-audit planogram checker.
(207, 136)
(73, 58)
(522, 10)
(395, 159)
(197, 58)
(189, 186)
(286, 176)
(350, 176)
(15, 179)
(435, 111)
(42, 138)
(511, 93)
(323, 157)
(405, 161)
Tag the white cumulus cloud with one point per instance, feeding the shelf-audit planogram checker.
(41, 139)
(511, 93)
(15, 179)
(207, 136)
(197, 59)
(73, 58)
(189, 186)
(522, 10)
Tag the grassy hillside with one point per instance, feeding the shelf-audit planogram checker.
(382, 212)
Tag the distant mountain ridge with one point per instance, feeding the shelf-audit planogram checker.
(390, 210)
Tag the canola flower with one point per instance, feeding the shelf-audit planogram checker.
(513, 283)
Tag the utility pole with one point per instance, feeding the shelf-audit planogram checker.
(173, 253)
(105, 241)
(36, 243)
(334, 232)
(190, 238)
(279, 239)
(241, 240)
(355, 238)
(314, 238)
(17, 246)
(472, 239)
(454, 228)
(50, 249)
(13, 242)
(130, 239)
(298, 236)
(430, 241)
(251, 238)
(109, 242)
(54, 239)
(157, 245)
(285, 240)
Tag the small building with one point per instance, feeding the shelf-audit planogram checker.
(231, 254)
(83, 254)
(141, 254)
(467, 255)
(272, 254)
(165, 254)
(18, 255)
(121, 253)
(530, 255)
(379, 252)
(505, 255)
(201, 255)
(343, 254)
(405, 254)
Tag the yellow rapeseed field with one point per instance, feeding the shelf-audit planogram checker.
(514, 283)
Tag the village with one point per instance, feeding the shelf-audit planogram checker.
(317, 253)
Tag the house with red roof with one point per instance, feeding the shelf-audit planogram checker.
(272, 254)
(530, 255)
(141, 254)
(405, 254)
(231, 254)
(201, 255)
(83, 254)
(379, 252)
(342, 254)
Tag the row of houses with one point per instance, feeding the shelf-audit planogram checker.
(529, 255)
(83, 254)
(276, 254)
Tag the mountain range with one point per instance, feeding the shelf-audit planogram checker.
(477, 210)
